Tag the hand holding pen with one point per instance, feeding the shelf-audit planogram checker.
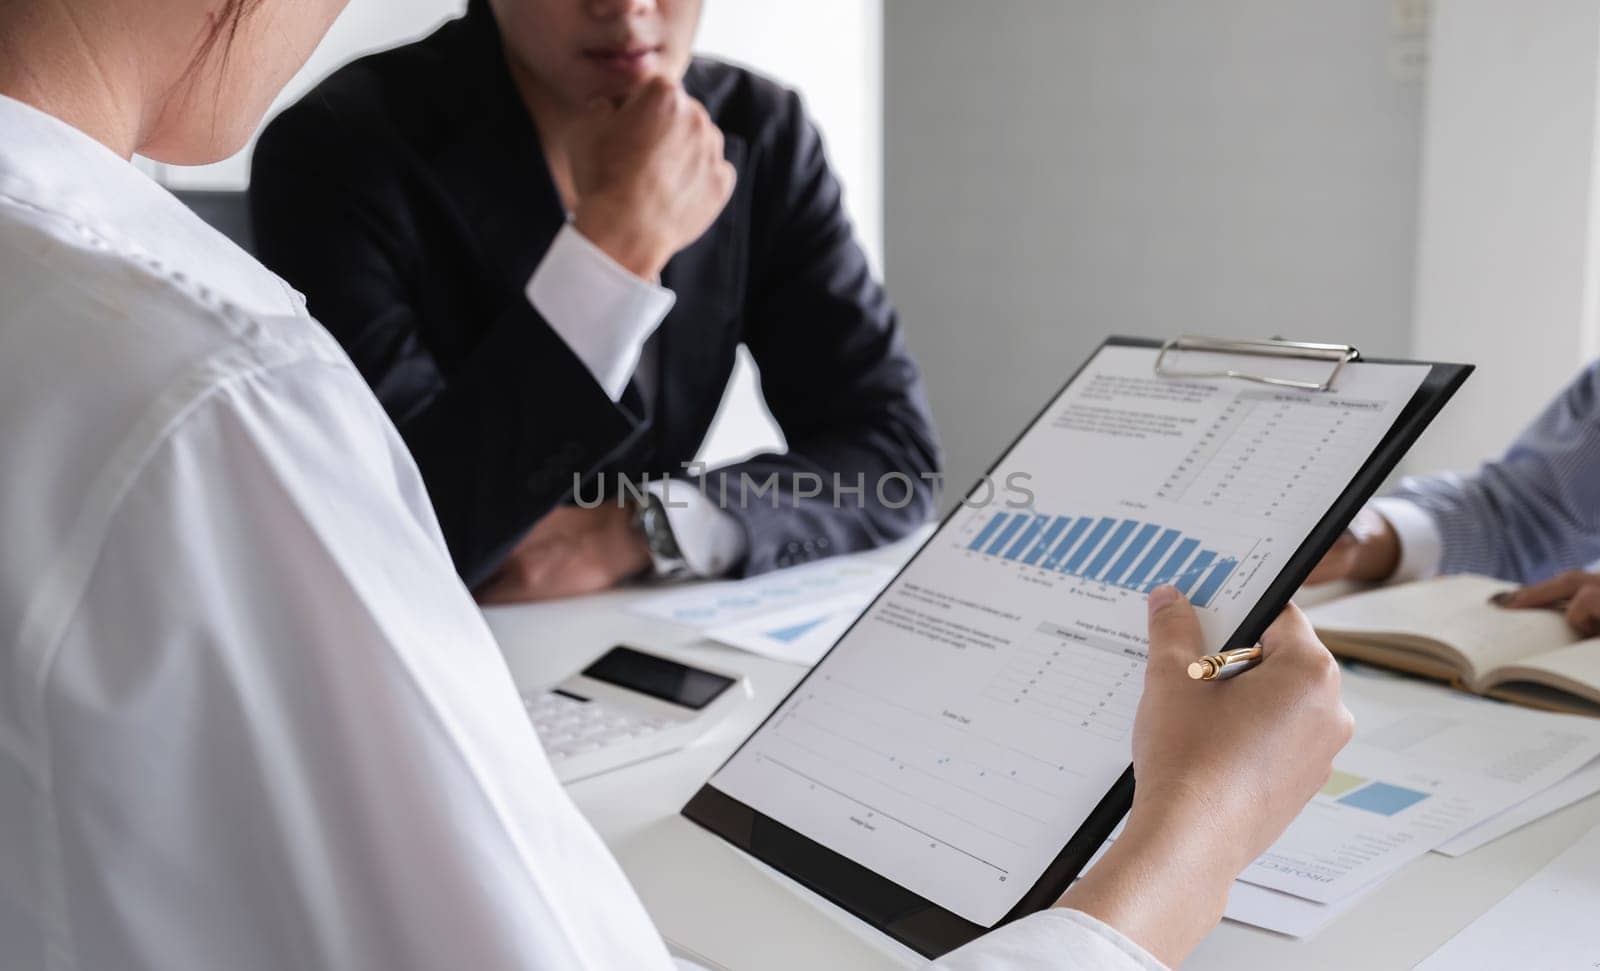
(1228, 664)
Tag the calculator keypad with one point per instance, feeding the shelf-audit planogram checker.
(569, 727)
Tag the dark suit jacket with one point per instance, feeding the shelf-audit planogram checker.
(407, 196)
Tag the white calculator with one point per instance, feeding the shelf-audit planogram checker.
(626, 707)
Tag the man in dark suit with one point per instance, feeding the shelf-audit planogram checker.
(481, 217)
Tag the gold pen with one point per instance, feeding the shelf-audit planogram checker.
(1218, 667)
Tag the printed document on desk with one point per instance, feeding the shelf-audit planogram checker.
(967, 725)
(1470, 756)
(720, 603)
(1578, 786)
(798, 635)
(1425, 765)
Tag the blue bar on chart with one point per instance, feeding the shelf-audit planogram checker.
(987, 531)
(1027, 538)
(1153, 557)
(1006, 534)
(1125, 553)
(1110, 549)
(1101, 528)
(1060, 552)
(1169, 569)
(1214, 580)
(1131, 553)
(1043, 546)
(1193, 571)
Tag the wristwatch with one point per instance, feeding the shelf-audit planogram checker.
(650, 518)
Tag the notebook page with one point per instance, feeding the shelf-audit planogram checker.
(1453, 610)
(1575, 668)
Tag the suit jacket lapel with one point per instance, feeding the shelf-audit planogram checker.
(493, 167)
(694, 341)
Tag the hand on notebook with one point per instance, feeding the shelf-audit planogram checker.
(1575, 593)
(1222, 769)
(1368, 550)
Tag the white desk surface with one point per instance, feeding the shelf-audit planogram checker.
(711, 900)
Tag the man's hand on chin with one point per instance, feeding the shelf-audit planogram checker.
(570, 552)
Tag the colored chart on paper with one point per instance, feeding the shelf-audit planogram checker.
(1118, 552)
(1383, 798)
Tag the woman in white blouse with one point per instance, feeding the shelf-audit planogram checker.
(249, 718)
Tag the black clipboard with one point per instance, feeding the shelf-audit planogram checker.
(920, 923)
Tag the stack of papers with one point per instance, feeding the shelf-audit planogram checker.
(1428, 770)
(1579, 785)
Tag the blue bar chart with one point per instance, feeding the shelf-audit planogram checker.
(1117, 552)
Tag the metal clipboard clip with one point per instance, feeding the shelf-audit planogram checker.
(1336, 354)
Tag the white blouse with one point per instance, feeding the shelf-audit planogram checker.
(249, 717)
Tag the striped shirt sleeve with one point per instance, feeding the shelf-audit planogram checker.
(1533, 512)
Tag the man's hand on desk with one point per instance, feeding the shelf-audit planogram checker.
(649, 175)
(571, 551)
(1222, 769)
(1368, 550)
(1575, 593)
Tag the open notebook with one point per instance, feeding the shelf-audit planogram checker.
(1446, 629)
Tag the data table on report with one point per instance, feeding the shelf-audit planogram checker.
(959, 734)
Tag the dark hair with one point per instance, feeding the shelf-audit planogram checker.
(223, 31)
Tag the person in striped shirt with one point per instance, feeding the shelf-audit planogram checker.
(1532, 516)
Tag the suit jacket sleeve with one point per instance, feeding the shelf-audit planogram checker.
(496, 449)
(834, 370)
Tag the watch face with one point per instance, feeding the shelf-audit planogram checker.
(658, 531)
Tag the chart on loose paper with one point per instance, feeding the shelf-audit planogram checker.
(968, 724)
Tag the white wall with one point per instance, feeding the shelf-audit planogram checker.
(1065, 169)
(1508, 250)
(829, 50)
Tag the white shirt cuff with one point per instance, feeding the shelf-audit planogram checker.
(711, 540)
(1054, 939)
(602, 311)
(1421, 545)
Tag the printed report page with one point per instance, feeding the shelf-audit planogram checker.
(962, 731)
